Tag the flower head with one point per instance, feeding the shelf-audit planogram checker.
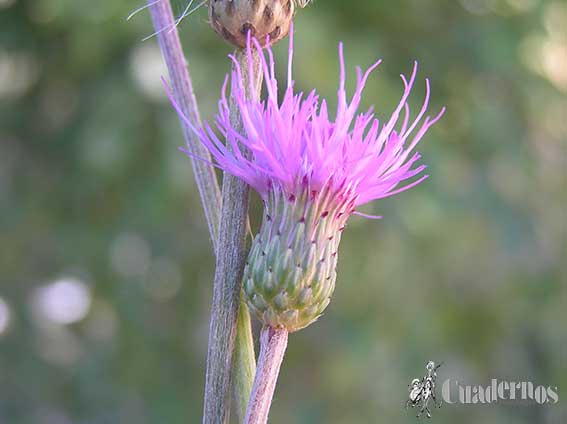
(295, 142)
(312, 171)
(267, 20)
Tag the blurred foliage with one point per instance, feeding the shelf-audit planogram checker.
(98, 206)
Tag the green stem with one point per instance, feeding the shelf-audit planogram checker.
(244, 367)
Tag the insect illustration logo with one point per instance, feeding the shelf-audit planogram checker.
(422, 391)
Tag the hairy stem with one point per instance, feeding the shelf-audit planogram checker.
(231, 256)
(273, 343)
(205, 177)
(245, 363)
(170, 44)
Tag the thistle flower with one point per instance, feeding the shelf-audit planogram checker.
(312, 172)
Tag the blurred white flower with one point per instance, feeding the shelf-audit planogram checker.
(5, 316)
(65, 301)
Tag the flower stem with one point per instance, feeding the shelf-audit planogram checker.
(273, 343)
(236, 198)
(205, 177)
(231, 256)
(244, 363)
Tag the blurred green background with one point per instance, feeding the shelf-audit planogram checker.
(105, 260)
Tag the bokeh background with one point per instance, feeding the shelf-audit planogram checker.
(105, 260)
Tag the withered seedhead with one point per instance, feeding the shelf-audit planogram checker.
(233, 19)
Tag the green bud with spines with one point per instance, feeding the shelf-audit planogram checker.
(290, 273)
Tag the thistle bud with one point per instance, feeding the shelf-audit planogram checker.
(233, 19)
(291, 269)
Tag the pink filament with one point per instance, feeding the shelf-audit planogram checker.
(294, 140)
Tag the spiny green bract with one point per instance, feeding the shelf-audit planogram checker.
(291, 269)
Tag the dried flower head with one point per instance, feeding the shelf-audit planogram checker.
(264, 19)
(312, 172)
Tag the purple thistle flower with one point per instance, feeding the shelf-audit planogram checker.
(312, 172)
(295, 142)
